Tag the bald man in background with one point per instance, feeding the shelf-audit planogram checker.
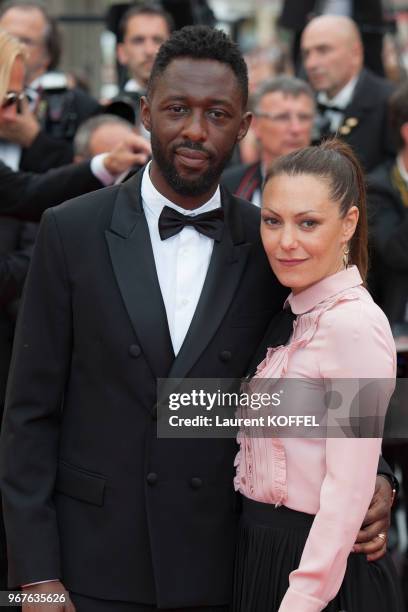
(352, 100)
(100, 134)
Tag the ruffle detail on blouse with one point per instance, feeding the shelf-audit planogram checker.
(275, 364)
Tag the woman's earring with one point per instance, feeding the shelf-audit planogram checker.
(346, 257)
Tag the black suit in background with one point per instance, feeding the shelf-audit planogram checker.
(45, 153)
(27, 195)
(243, 180)
(388, 218)
(16, 243)
(365, 124)
(152, 520)
(368, 14)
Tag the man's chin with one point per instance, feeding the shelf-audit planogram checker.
(191, 187)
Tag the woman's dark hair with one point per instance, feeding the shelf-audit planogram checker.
(334, 162)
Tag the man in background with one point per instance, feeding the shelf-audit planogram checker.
(142, 30)
(283, 115)
(98, 135)
(41, 136)
(388, 207)
(352, 100)
(368, 15)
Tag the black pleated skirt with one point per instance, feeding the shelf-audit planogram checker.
(270, 545)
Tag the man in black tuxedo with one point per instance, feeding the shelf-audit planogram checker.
(368, 15)
(352, 101)
(162, 276)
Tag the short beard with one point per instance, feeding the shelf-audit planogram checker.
(180, 185)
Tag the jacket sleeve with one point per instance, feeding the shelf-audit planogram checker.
(45, 153)
(27, 195)
(29, 439)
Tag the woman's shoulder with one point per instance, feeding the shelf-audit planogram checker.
(355, 332)
(355, 310)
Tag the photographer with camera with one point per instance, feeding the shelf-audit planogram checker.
(40, 135)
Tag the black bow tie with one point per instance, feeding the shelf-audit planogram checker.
(209, 224)
(322, 107)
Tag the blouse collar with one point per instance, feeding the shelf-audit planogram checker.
(322, 290)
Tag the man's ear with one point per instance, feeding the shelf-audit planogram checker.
(145, 113)
(255, 127)
(121, 54)
(404, 133)
(244, 127)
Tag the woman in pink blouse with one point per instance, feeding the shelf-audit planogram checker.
(304, 498)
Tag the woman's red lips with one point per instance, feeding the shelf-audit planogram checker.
(291, 262)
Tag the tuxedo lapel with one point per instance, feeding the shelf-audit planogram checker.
(133, 264)
(224, 273)
(362, 102)
(277, 334)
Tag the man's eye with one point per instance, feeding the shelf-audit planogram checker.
(178, 109)
(217, 114)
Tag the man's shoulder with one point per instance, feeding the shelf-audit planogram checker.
(246, 209)
(381, 190)
(87, 208)
(244, 217)
(232, 177)
(379, 86)
(381, 175)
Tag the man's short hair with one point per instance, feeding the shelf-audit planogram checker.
(151, 10)
(201, 43)
(398, 106)
(288, 85)
(87, 128)
(52, 34)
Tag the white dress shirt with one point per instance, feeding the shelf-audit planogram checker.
(10, 154)
(181, 261)
(133, 86)
(340, 100)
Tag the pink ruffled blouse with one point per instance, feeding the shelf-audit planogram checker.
(339, 333)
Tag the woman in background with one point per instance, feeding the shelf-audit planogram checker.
(304, 499)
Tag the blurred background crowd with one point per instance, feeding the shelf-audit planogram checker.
(312, 74)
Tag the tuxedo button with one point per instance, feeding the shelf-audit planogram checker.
(152, 478)
(135, 350)
(225, 356)
(196, 483)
